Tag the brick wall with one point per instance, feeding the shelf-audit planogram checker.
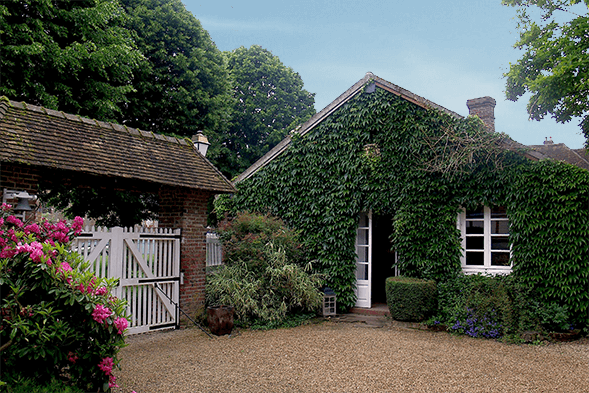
(187, 209)
(19, 177)
(484, 108)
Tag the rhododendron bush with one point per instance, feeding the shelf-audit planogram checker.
(58, 318)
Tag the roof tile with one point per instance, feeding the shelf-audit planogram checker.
(64, 141)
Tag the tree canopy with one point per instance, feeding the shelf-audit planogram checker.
(184, 86)
(554, 67)
(269, 101)
(71, 55)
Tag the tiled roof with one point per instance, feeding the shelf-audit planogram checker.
(38, 136)
(561, 152)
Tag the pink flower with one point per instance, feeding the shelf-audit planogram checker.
(100, 313)
(15, 221)
(72, 357)
(5, 207)
(121, 324)
(77, 225)
(101, 291)
(35, 249)
(33, 228)
(7, 252)
(106, 365)
(63, 268)
(111, 381)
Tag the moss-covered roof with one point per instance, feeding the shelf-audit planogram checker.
(35, 135)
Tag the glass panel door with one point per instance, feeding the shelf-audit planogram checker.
(363, 260)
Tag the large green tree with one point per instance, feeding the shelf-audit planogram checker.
(554, 67)
(269, 101)
(72, 55)
(184, 87)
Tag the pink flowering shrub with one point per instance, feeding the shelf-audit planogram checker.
(58, 318)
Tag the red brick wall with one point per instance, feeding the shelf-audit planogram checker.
(484, 108)
(187, 209)
(19, 177)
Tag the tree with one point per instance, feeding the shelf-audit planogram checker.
(555, 65)
(184, 88)
(71, 55)
(269, 101)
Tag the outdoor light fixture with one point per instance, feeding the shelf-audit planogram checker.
(329, 302)
(201, 142)
(23, 198)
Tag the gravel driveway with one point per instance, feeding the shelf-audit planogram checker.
(347, 357)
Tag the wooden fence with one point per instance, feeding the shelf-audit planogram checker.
(147, 263)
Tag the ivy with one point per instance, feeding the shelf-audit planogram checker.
(381, 153)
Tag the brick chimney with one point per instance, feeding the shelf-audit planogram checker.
(484, 108)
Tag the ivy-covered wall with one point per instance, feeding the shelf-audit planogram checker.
(381, 153)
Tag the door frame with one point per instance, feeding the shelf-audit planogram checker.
(363, 289)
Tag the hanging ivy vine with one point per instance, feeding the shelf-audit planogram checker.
(381, 153)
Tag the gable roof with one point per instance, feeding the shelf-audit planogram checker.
(35, 135)
(561, 152)
(336, 104)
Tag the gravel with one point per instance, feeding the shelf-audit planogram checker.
(347, 357)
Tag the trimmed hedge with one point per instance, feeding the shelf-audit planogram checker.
(411, 299)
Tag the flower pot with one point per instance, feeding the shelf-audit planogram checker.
(220, 319)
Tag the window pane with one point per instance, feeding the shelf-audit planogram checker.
(363, 222)
(362, 271)
(475, 258)
(499, 243)
(479, 212)
(475, 243)
(362, 254)
(501, 227)
(475, 227)
(498, 212)
(499, 259)
(362, 238)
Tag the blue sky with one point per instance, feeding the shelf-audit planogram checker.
(445, 51)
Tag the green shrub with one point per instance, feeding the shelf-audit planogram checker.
(58, 319)
(264, 277)
(410, 299)
(494, 306)
(245, 237)
(21, 385)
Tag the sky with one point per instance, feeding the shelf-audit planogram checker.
(445, 51)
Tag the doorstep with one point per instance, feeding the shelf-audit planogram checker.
(376, 309)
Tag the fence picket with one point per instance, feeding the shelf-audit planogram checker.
(140, 258)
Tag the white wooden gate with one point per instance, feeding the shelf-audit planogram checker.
(147, 263)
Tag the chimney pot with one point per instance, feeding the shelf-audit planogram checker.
(484, 108)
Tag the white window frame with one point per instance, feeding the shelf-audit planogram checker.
(486, 268)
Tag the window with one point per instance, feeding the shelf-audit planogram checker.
(485, 240)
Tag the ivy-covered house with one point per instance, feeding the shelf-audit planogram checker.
(382, 181)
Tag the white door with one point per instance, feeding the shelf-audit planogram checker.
(364, 260)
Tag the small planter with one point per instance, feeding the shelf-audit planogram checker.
(565, 336)
(220, 319)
